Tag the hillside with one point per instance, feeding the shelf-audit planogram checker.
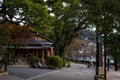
(87, 34)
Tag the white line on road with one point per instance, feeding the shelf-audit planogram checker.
(41, 75)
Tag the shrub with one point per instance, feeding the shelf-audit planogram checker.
(54, 62)
(68, 64)
(1, 71)
(33, 61)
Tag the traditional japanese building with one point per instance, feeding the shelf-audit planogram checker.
(37, 45)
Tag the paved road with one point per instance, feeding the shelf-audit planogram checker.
(75, 72)
(26, 73)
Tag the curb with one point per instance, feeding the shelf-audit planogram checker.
(3, 73)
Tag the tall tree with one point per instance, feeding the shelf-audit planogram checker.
(26, 12)
(113, 48)
(105, 15)
(12, 36)
(69, 18)
(63, 18)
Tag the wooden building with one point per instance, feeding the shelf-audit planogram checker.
(37, 45)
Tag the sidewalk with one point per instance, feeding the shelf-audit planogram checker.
(113, 75)
(9, 77)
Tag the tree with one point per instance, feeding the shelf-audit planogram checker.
(72, 50)
(3, 40)
(113, 48)
(26, 12)
(14, 13)
(69, 18)
(106, 18)
(12, 36)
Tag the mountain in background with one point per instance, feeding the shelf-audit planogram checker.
(87, 34)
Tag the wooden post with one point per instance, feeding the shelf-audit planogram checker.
(48, 53)
(37, 53)
(52, 51)
(42, 59)
(42, 53)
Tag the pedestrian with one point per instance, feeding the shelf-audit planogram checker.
(90, 62)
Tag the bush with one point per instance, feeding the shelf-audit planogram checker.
(33, 61)
(54, 62)
(68, 64)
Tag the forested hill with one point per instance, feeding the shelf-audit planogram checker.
(87, 34)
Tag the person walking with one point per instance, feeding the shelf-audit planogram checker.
(90, 62)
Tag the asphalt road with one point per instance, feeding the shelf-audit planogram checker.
(75, 72)
(26, 73)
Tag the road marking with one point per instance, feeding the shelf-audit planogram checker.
(41, 75)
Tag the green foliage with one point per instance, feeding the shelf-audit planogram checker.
(26, 12)
(30, 9)
(66, 62)
(3, 35)
(100, 14)
(33, 61)
(105, 16)
(113, 46)
(68, 20)
(54, 62)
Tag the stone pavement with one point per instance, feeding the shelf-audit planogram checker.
(75, 72)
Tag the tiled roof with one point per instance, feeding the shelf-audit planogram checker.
(32, 41)
(34, 47)
(45, 37)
